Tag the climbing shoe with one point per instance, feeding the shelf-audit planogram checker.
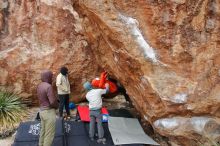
(101, 140)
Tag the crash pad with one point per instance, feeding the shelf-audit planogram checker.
(83, 112)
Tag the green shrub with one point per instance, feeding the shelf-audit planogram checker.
(12, 110)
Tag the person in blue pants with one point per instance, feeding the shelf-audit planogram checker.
(94, 96)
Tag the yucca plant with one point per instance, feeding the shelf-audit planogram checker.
(12, 110)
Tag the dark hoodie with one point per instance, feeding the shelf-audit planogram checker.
(45, 91)
(64, 71)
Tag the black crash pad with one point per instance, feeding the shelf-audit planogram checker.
(68, 133)
(28, 134)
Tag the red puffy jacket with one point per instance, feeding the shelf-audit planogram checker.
(100, 83)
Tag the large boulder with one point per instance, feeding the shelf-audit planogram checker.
(166, 54)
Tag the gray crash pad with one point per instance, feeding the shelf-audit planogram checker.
(128, 131)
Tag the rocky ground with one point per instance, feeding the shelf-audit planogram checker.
(117, 102)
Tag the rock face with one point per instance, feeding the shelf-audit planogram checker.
(165, 53)
(38, 35)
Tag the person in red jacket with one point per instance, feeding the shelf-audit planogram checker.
(100, 83)
(115, 87)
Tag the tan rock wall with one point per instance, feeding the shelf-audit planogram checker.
(43, 35)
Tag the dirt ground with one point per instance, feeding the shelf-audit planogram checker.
(7, 141)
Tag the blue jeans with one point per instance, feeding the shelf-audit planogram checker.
(95, 115)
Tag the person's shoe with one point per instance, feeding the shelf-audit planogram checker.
(101, 140)
(92, 139)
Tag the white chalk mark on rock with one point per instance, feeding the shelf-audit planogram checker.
(179, 98)
(132, 24)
